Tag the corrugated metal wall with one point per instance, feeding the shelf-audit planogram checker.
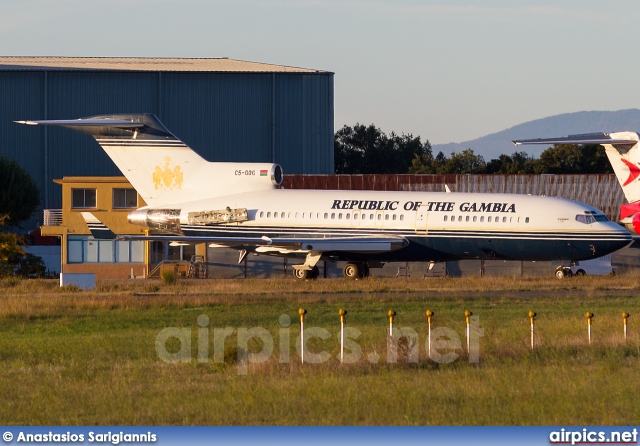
(600, 191)
(247, 117)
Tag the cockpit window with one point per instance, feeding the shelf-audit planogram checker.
(589, 218)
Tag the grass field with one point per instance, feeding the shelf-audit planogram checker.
(89, 357)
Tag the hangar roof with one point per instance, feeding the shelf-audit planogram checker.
(222, 64)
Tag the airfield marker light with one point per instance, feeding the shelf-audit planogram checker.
(589, 316)
(343, 319)
(391, 314)
(532, 319)
(429, 314)
(467, 317)
(625, 316)
(302, 312)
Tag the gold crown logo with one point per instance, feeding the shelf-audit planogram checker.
(167, 178)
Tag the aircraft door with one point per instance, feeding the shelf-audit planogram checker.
(421, 219)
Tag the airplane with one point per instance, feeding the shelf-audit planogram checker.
(624, 155)
(242, 206)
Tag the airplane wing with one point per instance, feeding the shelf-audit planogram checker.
(587, 138)
(368, 243)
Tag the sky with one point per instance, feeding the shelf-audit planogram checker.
(447, 71)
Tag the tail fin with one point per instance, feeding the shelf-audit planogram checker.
(98, 230)
(621, 149)
(162, 168)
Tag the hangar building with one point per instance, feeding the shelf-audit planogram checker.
(225, 109)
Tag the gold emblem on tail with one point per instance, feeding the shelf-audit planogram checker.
(166, 177)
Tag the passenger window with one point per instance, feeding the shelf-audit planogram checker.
(379, 216)
(326, 215)
(401, 217)
(504, 219)
(445, 218)
(475, 218)
(526, 220)
(347, 216)
(333, 216)
(482, 219)
(340, 216)
(261, 214)
(386, 216)
(275, 215)
(460, 218)
(282, 215)
(394, 216)
(467, 219)
(370, 216)
(488, 219)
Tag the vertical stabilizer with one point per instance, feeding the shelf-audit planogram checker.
(625, 160)
(162, 168)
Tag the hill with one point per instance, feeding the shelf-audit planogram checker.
(493, 145)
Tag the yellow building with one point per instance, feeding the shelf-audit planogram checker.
(110, 199)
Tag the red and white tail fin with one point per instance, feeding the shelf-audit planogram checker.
(621, 149)
(162, 168)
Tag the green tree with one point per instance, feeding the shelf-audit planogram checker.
(10, 250)
(366, 149)
(517, 163)
(19, 194)
(571, 158)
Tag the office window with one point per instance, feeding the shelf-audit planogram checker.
(85, 249)
(83, 198)
(125, 198)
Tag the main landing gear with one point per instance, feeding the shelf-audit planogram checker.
(353, 270)
(306, 274)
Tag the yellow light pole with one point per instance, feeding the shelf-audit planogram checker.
(467, 317)
(625, 316)
(391, 315)
(343, 319)
(302, 312)
(429, 314)
(589, 316)
(532, 319)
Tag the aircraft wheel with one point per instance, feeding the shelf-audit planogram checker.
(561, 273)
(365, 270)
(315, 272)
(581, 273)
(352, 271)
(301, 274)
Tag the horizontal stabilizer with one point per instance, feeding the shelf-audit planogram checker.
(98, 230)
(588, 138)
(86, 122)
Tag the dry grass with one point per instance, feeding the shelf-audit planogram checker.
(78, 357)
